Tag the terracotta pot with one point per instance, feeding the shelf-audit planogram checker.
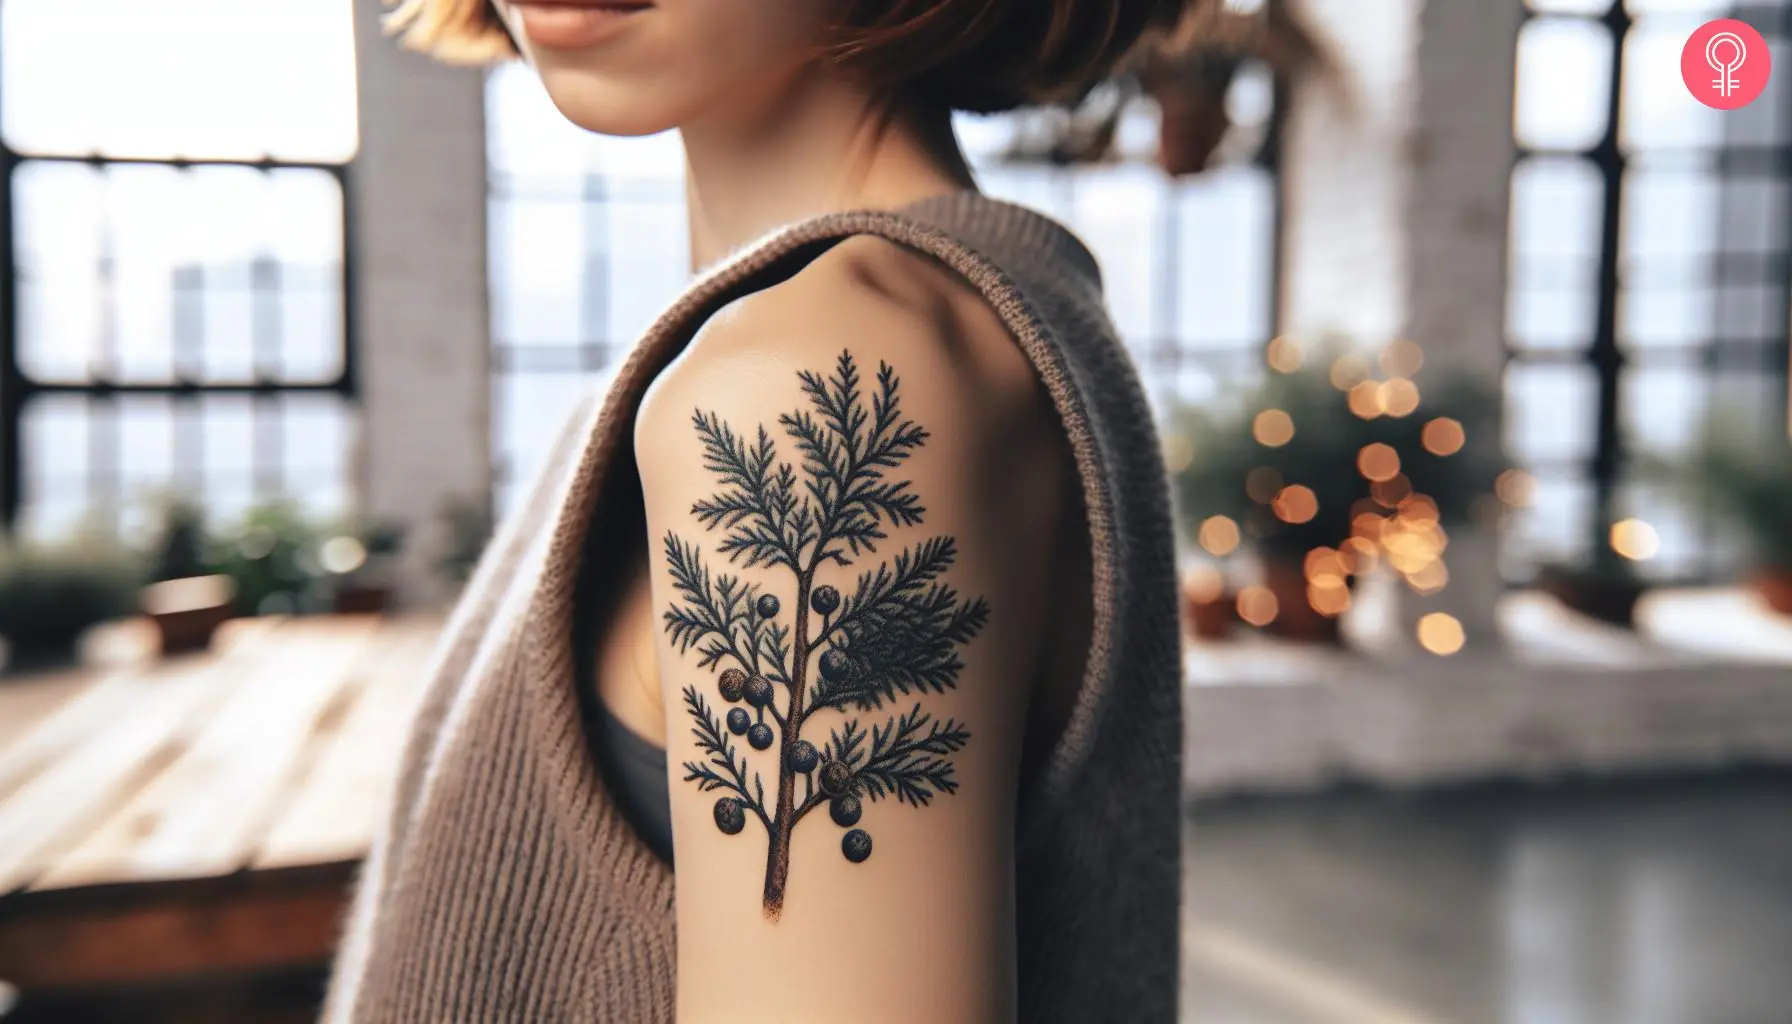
(1296, 618)
(190, 629)
(186, 612)
(1612, 601)
(1189, 135)
(362, 600)
(1211, 618)
(1775, 588)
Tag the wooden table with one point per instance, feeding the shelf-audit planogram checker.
(198, 815)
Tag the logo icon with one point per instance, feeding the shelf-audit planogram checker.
(1725, 64)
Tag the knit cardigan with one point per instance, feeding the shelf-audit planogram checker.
(504, 885)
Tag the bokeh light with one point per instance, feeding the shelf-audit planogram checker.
(1257, 606)
(1273, 428)
(1443, 436)
(1366, 400)
(1378, 462)
(1516, 488)
(1441, 634)
(1284, 355)
(1635, 539)
(1391, 493)
(1262, 484)
(1402, 359)
(1430, 578)
(1350, 371)
(1399, 397)
(1203, 584)
(1219, 535)
(1296, 504)
(1179, 453)
(1327, 599)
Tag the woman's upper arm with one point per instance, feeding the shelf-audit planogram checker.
(848, 504)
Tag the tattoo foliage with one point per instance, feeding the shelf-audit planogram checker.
(892, 640)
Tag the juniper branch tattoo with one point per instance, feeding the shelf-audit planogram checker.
(896, 637)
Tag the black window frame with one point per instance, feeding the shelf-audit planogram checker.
(18, 391)
(1606, 468)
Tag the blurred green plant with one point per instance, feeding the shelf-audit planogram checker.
(50, 594)
(1325, 440)
(469, 526)
(1748, 480)
(271, 557)
(182, 545)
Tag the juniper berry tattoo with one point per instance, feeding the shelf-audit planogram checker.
(895, 638)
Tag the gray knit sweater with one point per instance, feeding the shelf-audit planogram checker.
(505, 885)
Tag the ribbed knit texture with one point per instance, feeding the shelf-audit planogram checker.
(505, 885)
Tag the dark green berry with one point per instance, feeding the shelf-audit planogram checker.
(758, 691)
(768, 606)
(836, 778)
(731, 816)
(845, 810)
(824, 600)
(803, 757)
(835, 665)
(733, 682)
(739, 721)
(856, 845)
(760, 736)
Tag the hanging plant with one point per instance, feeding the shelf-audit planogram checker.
(1187, 74)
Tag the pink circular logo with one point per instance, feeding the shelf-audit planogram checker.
(1725, 64)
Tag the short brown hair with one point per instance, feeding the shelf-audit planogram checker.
(981, 56)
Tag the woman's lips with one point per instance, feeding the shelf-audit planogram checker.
(574, 24)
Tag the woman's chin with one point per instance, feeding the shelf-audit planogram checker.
(606, 109)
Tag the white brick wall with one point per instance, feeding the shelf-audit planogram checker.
(418, 189)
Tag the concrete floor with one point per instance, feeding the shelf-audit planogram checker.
(1644, 902)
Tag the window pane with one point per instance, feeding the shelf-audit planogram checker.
(1550, 412)
(1564, 65)
(1554, 528)
(207, 78)
(1658, 111)
(147, 274)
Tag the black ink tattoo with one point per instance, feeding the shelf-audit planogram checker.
(897, 636)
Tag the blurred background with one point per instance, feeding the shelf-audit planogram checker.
(1466, 325)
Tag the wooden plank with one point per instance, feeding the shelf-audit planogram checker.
(200, 816)
(114, 935)
(26, 701)
(333, 810)
(96, 698)
(55, 808)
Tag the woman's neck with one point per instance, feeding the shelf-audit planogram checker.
(818, 146)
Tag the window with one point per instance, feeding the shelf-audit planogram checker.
(588, 245)
(174, 306)
(1649, 271)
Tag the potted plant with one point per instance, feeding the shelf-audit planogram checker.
(185, 599)
(1326, 470)
(469, 525)
(1748, 480)
(271, 557)
(1188, 74)
(361, 565)
(1604, 586)
(51, 594)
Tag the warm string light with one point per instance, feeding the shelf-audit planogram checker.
(1635, 540)
(1441, 634)
(1273, 428)
(1395, 524)
(1219, 536)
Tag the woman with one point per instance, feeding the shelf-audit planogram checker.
(867, 541)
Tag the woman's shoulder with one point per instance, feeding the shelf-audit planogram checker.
(887, 304)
